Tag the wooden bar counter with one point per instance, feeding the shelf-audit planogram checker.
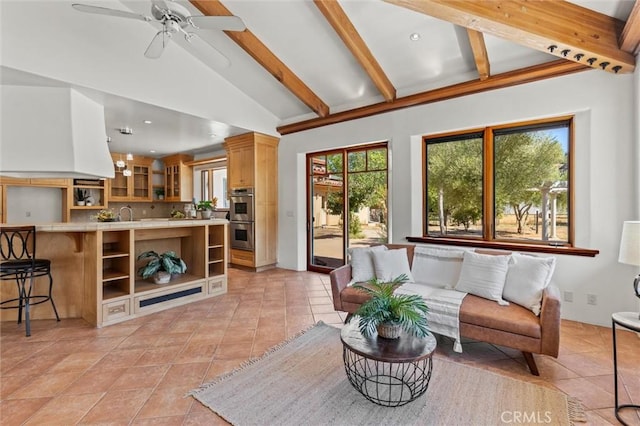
(94, 267)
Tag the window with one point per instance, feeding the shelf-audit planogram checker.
(507, 185)
(214, 184)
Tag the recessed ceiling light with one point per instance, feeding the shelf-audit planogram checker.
(152, 151)
(414, 37)
(212, 135)
(148, 121)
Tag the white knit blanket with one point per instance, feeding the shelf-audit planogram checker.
(444, 309)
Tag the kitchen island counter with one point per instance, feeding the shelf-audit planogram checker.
(95, 264)
(136, 224)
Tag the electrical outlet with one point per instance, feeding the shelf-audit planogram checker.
(592, 299)
(568, 296)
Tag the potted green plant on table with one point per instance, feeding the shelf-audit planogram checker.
(389, 313)
(205, 207)
(161, 266)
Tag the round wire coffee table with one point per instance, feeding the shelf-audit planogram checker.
(388, 372)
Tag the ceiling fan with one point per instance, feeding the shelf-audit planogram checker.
(175, 19)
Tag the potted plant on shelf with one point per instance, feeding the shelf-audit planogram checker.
(205, 207)
(81, 196)
(389, 313)
(159, 193)
(161, 266)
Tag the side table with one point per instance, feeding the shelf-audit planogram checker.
(388, 372)
(630, 321)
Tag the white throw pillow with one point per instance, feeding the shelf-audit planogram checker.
(527, 277)
(484, 275)
(391, 264)
(362, 263)
(438, 267)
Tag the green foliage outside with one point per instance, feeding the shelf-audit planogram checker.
(523, 162)
(366, 188)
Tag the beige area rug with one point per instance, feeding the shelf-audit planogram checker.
(303, 382)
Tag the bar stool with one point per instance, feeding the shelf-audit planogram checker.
(18, 262)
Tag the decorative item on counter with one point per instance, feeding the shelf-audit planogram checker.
(388, 313)
(205, 207)
(161, 266)
(106, 216)
(159, 193)
(177, 214)
(81, 196)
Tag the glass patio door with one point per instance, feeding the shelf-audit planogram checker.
(352, 180)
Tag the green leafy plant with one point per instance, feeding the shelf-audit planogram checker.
(207, 204)
(81, 194)
(406, 310)
(106, 216)
(159, 192)
(167, 261)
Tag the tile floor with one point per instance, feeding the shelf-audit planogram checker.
(138, 372)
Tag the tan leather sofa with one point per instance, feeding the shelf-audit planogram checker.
(480, 319)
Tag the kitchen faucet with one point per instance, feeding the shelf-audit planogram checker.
(130, 213)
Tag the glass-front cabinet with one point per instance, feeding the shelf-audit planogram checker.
(133, 178)
(178, 178)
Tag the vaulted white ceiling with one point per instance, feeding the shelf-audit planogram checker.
(194, 104)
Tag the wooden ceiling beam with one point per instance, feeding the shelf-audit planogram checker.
(557, 27)
(261, 53)
(479, 49)
(338, 19)
(630, 37)
(507, 79)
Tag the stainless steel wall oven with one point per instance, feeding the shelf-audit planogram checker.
(241, 208)
(241, 227)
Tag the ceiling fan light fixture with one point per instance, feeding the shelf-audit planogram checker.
(414, 36)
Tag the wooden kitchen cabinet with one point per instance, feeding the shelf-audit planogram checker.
(52, 182)
(138, 186)
(178, 178)
(113, 290)
(240, 152)
(3, 203)
(252, 162)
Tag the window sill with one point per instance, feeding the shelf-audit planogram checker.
(501, 245)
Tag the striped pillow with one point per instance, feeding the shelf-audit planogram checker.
(484, 275)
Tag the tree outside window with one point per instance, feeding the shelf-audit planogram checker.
(507, 183)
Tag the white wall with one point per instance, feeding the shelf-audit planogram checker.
(31, 205)
(606, 188)
(47, 38)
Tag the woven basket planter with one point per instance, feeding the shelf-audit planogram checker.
(389, 331)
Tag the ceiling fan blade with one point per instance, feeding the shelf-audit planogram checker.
(224, 23)
(213, 55)
(160, 4)
(158, 44)
(110, 12)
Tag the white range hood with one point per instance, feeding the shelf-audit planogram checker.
(51, 132)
